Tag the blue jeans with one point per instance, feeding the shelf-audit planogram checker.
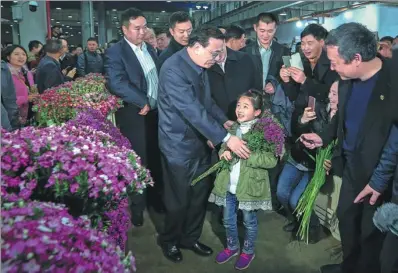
(291, 185)
(231, 227)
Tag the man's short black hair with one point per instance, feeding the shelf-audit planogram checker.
(352, 39)
(179, 17)
(130, 14)
(387, 39)
(53, 46)
(203, 33)
(234, 32)
(34, 44)
(318, 31)
(267, 17)
(92, 39)
(163, 30)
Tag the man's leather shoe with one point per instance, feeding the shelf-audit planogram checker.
(200, 249)
(330, 268)
(137, 219)
(172, 253)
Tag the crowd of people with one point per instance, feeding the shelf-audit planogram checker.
(190, 93)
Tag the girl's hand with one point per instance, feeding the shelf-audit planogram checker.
(226, 155)
(327, 165)
(308, 115)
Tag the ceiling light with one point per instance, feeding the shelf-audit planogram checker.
(163, 11)
(57, 22)
(67, 26)
(58, 8)
(79, 32)
(114, 17)
(198, 7)
(7, 32)
(168, 1)
(78, 22)
(2, 6)
(205, 7)
(63, 25)
(16, 21)
(71, 35)
(283, 14)
(15, 1)
(114, 10)
(69, 16)
(11, 25)
(299, 24)
(356, 3)
(157, 18)
(52, 19)
(348, 14)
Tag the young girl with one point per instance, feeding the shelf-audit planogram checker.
(245, 187)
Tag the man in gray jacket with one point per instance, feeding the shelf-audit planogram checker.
(9, 108)
(90, 61)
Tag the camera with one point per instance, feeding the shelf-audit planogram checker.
(33, 6)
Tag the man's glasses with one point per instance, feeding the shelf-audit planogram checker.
(215, 54)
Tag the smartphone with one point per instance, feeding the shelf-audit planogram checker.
(311, 102)
(286, 61)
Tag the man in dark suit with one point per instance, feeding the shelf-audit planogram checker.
(180, 28)
(131, 73)
(361, 125)
(49, 72)
(265, 52)
(188, 118)
(233, 75)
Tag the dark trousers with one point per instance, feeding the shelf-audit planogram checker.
(361, 240)
(185, 205)
(273, 180)
(389, 254)
(142, 132)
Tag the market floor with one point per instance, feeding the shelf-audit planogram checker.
(275, 250)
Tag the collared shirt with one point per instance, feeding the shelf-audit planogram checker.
(265, 58)
(150, 71)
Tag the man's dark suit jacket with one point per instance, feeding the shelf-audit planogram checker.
(275, 61)
(239, 77)
(126, 79)
(188, 116)
(375, 127)
(317, 84)
(169, 51)
(49, 74)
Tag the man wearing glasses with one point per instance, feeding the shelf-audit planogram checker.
(188, 120)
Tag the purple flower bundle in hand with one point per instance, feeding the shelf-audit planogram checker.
(43, 237)
(266, 136)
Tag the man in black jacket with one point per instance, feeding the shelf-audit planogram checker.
(229, 78)
(361, 125)
(49, 72)
(265, 52)
(317, 77)
(180, 28)
(267, 58)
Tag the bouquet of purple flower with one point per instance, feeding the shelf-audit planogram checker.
(267, 135)
(43, 237)
(65, 164)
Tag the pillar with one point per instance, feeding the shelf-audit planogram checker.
(15, 36)
(87, 12)
(32, 25)
(101, 23)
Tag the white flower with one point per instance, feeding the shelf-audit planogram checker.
(30, 255)
(105, 189)
(53, 148)
(76, 151)
(124, 189)
(65, 221)
(44, 228)
(85, 147)
(16, 146)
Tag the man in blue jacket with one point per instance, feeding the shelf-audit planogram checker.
(189, 121)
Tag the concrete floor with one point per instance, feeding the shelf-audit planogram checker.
(276, 252)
